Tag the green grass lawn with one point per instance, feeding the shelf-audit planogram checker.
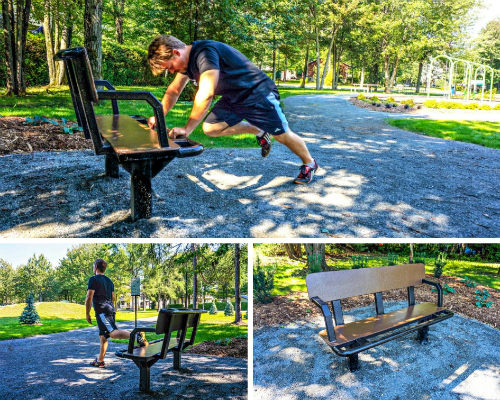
(291, 276)
(62, 317)
(477, 132)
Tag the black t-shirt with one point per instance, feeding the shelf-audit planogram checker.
(103, 289)
(239, 78)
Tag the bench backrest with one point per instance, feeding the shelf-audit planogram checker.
(336, 285)
(83, 92)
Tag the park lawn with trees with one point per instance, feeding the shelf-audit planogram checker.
(477, 132)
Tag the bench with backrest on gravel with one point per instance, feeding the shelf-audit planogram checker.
(170, 320)
(348, 339)
(124, 140)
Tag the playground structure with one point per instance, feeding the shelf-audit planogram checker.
(471, 69)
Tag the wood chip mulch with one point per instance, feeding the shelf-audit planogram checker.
(237, 348)
(398, 109)
(15, 137)
(286, 309)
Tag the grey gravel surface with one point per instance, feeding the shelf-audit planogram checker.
(460, 361)
(374, 181)
(57, 366)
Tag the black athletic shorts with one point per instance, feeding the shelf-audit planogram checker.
(106, 324)
(264, 112)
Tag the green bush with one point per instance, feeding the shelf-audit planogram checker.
(358, 262)
(263, 283)
(485, 107)
(213, 309)
(409, 102)
(458, 106)
(29, 315)
(419, 258)
(431, 104)
(361, 96)
(390, 100)
(439, 264)
(487, 92)
(482, 298)
(374, 99)
(229, 309)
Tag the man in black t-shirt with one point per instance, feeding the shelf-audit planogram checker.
(101, 295)
(249, 102)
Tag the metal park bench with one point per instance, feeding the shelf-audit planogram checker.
(124, 140)
(169, 321)
(349, 339)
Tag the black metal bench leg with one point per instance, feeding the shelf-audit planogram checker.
(140, 196)
(353, 362)
(422, 334)
(145, 374)
(111, 166)
(177, 359)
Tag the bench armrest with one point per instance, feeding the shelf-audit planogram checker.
(161, 128)
(327, 315)
(439, 291)
(109, 86)
(132, 337)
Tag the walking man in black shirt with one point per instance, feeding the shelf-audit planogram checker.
(101, 294)
(249, 102)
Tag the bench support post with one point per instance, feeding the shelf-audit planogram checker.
(111, 166)
(140, 196)
(177, 359)
(145, 374)
(353, 362)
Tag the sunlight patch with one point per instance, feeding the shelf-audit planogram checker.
(224, 181)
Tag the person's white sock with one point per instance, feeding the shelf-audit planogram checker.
(312, 164)
(261, 133)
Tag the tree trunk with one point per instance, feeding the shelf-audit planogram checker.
(284, 73)
(274, 58)
(420, 68)
(386, 75)
(411, 253)
(10, 54)
(47, 31)
(118, 13)
(298, 250)
(237, 298)
(318, 60)
(334, 66)
(327, 62)
(362, 78)
(304, 75)
(92, 23)
(66, 34)
(394, 72)
(23, 13)
(316, 254)
(290, 251)
(195, 278)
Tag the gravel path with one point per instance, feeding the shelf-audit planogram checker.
(460, 361)
(56, 366)
(375, 181)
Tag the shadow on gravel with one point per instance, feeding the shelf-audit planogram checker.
(460, 361)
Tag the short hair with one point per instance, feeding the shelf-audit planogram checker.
(160, 50)
(101, 264)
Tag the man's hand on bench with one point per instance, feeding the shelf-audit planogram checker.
(152, 123)
(177, 133)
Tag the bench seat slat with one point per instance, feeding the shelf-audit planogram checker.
(381, 323)
(152, 350)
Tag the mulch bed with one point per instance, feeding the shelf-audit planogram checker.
(18, 138)
(399, 109)
(238, 348)
(286, 309)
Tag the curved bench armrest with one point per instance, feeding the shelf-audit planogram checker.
(161, 128)
(109, 86)
(439, 291)
(131, 340)
(327, 315)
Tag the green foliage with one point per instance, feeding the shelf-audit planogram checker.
(392, 259)
(446, 289)
(263, 283)
(374, 99)
(227, 341)
(468, 282)
(458, 106)
(361, 96)
(29, 315)
(314, 262)
(439, 264)
(419, 258)
(482, 298)
(390, 99)
(409, 102)
(359, 262)
(37, 121)
(213, 309)
(229, 310)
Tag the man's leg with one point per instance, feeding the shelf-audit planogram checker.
(296, 145)
(103, 349)
(119, 334)
(223, 129)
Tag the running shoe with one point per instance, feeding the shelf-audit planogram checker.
(99, 364)
(264, 142)
(141, 339)
(306, 174)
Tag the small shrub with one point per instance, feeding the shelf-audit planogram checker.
(446, 289)
(471, 106)
(439, 264)
(229, 310)
(497, 107)
(409, 102)
(431, 104)
(359, 262)
(487, 92)
(29, 315)
(263, 283)
(392, 259)
(374, 99)
(485, 107)
(213, 310)
(361, 96)
(482, 298)
(468, 282)
(391, 99)
(419, 258)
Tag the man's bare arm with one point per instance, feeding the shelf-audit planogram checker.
(171, 96)
(88, 304)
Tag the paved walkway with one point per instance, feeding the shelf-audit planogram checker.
(375, 181)
(57, 366)
(461, 361)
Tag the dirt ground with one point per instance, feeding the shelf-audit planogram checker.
(286, 309)
(238, 347)
(399, 109)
